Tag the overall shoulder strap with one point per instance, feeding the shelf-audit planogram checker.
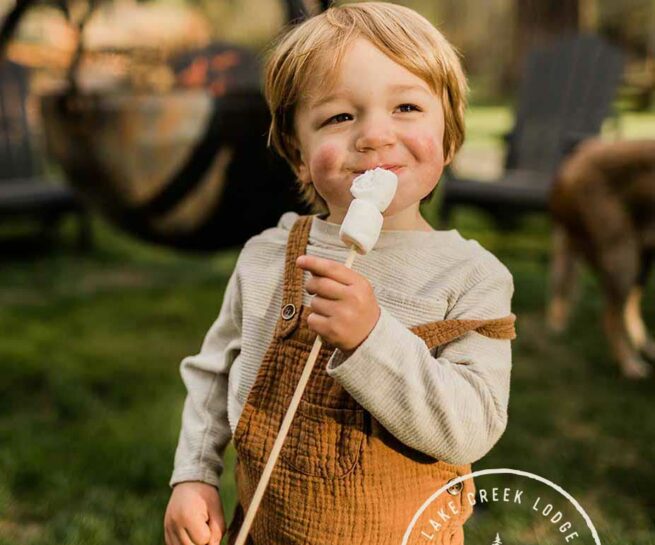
(444, 331)
(293, 275)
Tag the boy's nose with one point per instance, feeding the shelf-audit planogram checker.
(374, 134)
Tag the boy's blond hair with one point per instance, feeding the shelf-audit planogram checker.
(312, 51)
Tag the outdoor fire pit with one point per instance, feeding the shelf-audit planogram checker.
(178, 167)
(168, 144)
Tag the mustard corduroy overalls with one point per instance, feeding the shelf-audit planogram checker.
(341, 477)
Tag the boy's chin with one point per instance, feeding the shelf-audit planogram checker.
(391, 210)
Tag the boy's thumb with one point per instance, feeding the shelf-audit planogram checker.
(216, 531)
(216, 522)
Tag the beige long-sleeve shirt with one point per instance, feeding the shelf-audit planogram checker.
(449, 402)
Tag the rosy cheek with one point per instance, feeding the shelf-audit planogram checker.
(325, 160)
(426, 146)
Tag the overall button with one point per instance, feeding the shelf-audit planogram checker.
(288, 311)
(456, 488)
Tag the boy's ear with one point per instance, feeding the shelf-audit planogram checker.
(299, 167)
(449, 158)
(303, 174)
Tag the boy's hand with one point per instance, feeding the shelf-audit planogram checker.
(194, 515)
(344, 307)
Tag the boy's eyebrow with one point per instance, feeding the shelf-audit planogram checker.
(397, 87)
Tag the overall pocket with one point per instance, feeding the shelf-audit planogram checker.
(324, 441)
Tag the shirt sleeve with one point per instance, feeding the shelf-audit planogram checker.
(205, 430)
(451, 405)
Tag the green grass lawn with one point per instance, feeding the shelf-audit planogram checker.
(91, 397)
(90, 393)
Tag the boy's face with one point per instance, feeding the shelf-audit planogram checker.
(370, 121)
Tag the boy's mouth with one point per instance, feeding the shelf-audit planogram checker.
(393, 168)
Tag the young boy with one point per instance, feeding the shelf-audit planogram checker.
(401, 400)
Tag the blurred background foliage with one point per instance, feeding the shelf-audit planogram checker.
(492, 35)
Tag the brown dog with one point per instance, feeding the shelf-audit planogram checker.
(603, 205)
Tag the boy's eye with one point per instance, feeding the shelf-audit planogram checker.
(411, 106)
(336, 118)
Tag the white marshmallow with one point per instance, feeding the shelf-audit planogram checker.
(373, 192)
(361, 226)
(378, 186)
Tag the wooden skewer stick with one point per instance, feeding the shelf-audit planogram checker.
(284, 429)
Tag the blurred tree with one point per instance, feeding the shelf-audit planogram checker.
(535, 23)
(631, 25)
(481, 31)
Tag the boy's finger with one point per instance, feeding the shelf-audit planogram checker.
(216, 531)
(325, 287)
(184, 537)
(326, 267)
(324, 307)
(319, 324)
(216, 519)
(171, 538)
(198, 535)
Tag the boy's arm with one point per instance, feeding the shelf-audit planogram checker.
(205, 429)
(452, 407)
